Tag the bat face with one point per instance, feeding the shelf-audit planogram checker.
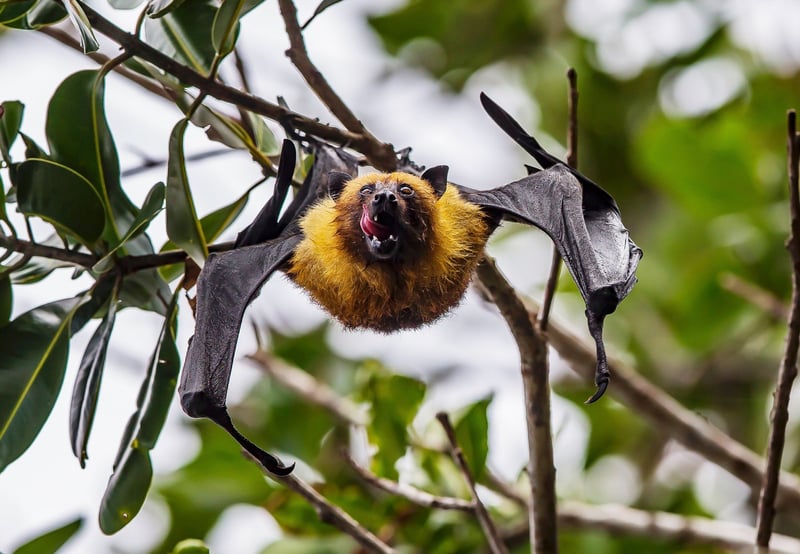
(389, 252)
(389, 214)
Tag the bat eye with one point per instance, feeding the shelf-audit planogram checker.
(366, 189)
(406, 190)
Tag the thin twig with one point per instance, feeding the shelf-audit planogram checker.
(381, 155)
(330, 513)
(68, 40)
(572, 160)
(298, 54)
(33, 249)
(412, 494)
(535, 379)
(617, 520)
(668, 415)
(492, 536)
(310, 389)
(755, 295)
(788, 369)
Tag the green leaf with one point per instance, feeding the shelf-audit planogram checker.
(35, 347)
(312, 545)
(324, 5)
(87, 383)
(52, 541)
(125, 4)
(98, 300)
(127, 488)
(191, 546)
(81, 23)
(184, 33)
(395, 400)
(183, 227)
(213, 226)
(6, 299)
(10, 121)
(31, 14)
(150, 209)
(160, 8)
(264, 137)
(62, 197)
(225, 28)
(472, 434)
(128, 485)
(79, 138)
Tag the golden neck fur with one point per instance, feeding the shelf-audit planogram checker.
(397, 294)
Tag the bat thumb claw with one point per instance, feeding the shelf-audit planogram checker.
(601, 389)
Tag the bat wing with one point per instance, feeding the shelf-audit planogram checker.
(227, 284)
(584, 223)
(230, 280)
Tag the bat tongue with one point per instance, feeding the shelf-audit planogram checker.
(373, 228)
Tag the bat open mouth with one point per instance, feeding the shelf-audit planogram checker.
(380, 233)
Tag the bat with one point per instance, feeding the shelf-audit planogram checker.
(396, 251)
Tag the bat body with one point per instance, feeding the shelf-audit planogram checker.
(389, 251)
(397, 251)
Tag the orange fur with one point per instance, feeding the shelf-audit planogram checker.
(389, 295)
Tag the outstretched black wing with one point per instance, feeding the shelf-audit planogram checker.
(229, 282)
(582, 219)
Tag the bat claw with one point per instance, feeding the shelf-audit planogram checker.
(276, 467)
(601, 389)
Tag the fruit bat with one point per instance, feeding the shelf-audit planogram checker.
(396, 251)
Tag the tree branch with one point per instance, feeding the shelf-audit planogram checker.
(308, 388)
(532, 346)
(330, 513)
(298, 54)
(33, 249)
(381, 155)
(755, 295)
(619, 520)
(572, 161)
(495, 543)
(667, 414)
(412, 494)
(788, 369)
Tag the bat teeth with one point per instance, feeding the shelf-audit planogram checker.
(375, 218)
(392, 237)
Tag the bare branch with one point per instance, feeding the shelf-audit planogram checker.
(755, 295)
(308, 388)
(572, 160)
(412, 494)
(330, 513)
(381, 155)
(532, 346)
(788, 369)
(298, 53)
(495, 543)
(667, 414)
(619, 520)
(32, 249)
(68, 40)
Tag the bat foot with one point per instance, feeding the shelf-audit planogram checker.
(601, 390)
(274, 465)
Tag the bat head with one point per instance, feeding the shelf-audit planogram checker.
(391, 213)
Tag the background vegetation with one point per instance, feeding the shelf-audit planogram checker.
(682, 118)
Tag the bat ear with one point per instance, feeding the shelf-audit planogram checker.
(437, 177)
(336, 182)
